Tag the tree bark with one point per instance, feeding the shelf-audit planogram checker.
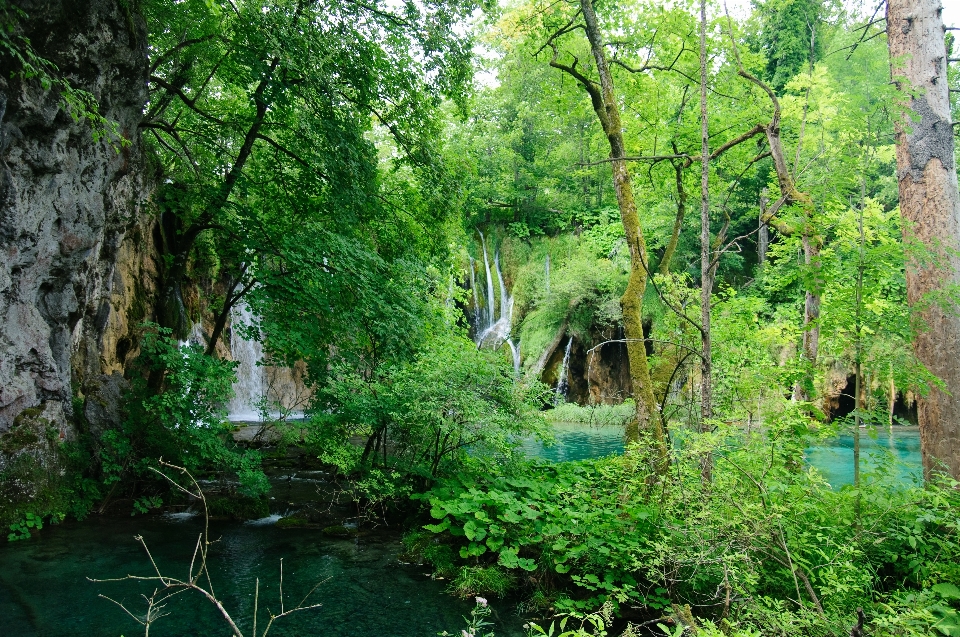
(671, 247)
(706, 256)
(763, 240)
(930, 209)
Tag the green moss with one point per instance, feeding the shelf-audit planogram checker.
(238, 507)
(292, 523)
(17, 439)
(338, 530)
(424, 547)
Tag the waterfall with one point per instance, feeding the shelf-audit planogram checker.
(495, 331)
(251, 385)
(515, 350)
(562, 383)
(490, 302)
(506, 301)
(196, 336)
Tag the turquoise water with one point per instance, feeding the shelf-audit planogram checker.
(366, 591)
(897, 453)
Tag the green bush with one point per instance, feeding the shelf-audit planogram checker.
(176, 411)
(794, 556)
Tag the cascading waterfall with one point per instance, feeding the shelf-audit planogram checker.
(563, 384)
(515, 350)
(495, 331)
(251, 385)
(486, 265)
(196, 336)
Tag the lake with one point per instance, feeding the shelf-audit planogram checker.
(833, 458)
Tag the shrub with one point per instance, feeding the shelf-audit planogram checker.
(472, 581)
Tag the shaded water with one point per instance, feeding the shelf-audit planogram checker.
(897, 453)
(366, 590)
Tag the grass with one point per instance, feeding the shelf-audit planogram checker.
(597, 415)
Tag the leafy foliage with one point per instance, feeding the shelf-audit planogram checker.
(766, 546)
(181, 417)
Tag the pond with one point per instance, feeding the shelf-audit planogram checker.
(366, 590)
(898, 451)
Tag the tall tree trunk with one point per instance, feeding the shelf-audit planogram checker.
(763, 233)
(706, 255)
(603, 97)
(930, 208)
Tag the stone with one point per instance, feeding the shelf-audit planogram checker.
(103, 402)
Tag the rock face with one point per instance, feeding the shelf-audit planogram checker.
(75, 266)
(600, 376)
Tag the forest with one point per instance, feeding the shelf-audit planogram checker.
(575, 317)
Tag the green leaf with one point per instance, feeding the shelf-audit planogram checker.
(947, 590)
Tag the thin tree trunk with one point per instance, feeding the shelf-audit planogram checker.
(763, 233)
(790, 195)
(671, 248)
(706, 255)
(811, 309)
(858, 384)
(893, 399)
(930, 208)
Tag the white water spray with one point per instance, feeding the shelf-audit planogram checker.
(490, 301)
(251, 385)
(496, 331)
(563, 385)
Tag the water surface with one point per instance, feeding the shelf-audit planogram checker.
(895, 454)
(366, 592)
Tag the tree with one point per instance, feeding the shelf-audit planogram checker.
(603, 97)
(261, 116)
(930, 207)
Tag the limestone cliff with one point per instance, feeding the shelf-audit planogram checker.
(76, 270)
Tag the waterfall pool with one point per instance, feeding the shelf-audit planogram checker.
(366, 590)
(833, 458)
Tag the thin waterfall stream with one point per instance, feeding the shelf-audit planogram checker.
(251, 385)
(495, 331)
(563, 384)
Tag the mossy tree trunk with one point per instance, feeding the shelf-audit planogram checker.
(603, 97)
